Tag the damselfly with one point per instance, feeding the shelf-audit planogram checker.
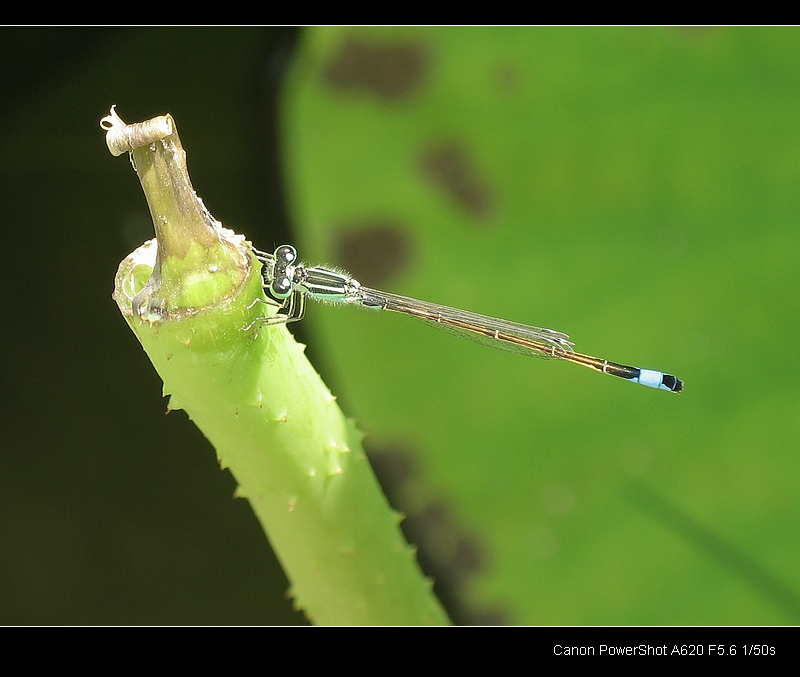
(289, 282)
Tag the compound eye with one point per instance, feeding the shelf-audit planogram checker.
(286, 254)
(281, 287)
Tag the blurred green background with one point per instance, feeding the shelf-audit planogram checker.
(633, 187)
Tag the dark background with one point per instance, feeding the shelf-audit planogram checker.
(106, 518)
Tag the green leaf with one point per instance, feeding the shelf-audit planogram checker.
(634, 187)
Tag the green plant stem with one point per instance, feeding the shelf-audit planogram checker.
(188, 295)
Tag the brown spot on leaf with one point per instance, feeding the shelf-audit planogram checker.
(373, 251)
(389, 71)
(435, 526)
(394, 466)
(445, 551)
(452, 169)
(507, 77)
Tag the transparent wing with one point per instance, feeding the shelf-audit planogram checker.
(489, 331)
